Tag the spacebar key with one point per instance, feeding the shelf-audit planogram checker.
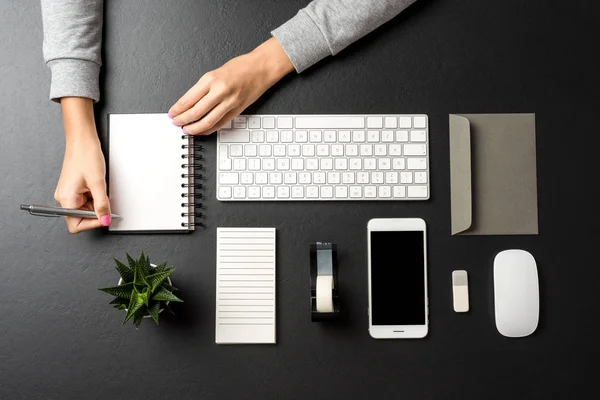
(345, 122)
(234, 136)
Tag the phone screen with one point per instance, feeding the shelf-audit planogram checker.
(397, 278)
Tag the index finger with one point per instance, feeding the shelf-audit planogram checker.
(190, 98)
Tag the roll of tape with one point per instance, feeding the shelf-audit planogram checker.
(324, 294)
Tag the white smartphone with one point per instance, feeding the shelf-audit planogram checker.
(398, 305)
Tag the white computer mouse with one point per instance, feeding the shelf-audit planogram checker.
(516, 293)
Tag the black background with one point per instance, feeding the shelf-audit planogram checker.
(397, 278)
(60, 339)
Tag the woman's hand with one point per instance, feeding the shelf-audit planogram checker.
(82, 182)
(224, 93)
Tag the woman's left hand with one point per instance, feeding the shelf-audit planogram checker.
(222, 94)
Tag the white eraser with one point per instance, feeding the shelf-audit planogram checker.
(460, 290)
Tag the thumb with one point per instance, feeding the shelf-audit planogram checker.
(101, 203)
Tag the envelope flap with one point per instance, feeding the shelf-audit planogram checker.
(460, 173)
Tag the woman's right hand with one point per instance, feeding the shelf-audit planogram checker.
(82, 182)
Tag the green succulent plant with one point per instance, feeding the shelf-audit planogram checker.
(144, 289)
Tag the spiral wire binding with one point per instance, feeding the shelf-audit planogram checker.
(191, 196)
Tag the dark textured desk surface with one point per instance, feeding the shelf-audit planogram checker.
(60, 339)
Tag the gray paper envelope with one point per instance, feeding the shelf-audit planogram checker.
(493, 174)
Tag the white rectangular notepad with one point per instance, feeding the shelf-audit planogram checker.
(150, 174)
(245, 311)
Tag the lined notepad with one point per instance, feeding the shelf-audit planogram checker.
(245, 311)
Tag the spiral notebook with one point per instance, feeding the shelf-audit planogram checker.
(152, 172)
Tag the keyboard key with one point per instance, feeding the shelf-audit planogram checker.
(415, 149)
(418, 136)
(395, 149)
(284, 123)
(250, 150)
(224, 192)
(225, 164)
(314, 136)
(373, 136)
(377, 177)
(323, 150)
(330, 122)
(254, 192)
(228, 178)
(340, 163)
(319, 177)
(257, 136)
(366, 149)
(239, 192)
(308, 150)
(247, 178)
(312, 192)
(294, 150)
(254, 164)
(387, 136)
(264, 150)
(283, 192)
(385, 192)
(268, 164)
(341, 192)
(391, 177)
(375, 122)
(362, 177)
(287, 136)
(390, 122)
(312, 164)
(370, 163)
(406, 177)
(272, 136)
(239, 122)
(334, 177)
(419, 122)
(297, 192)
(329, 136)
(239, 164)
(290, 178)
(275, 178)
(370, 192)
(398, 163)
(283, 164)
(351, 149)
(268, 192)
(384, 163)
(337, 149)
(279, 150)
(261, 178)
(417, 191)
(381, 150)
(355, 192)
(356, 163)
(253, 123)
(417, 163)
(304, 177)
(301, 136)
(326, 163)
(344, 136)
(358, 136)
(420, 177)
(297, 164)
(405, 122)
(268, 122)
(236, 150)
(401, 136)
(327, 192)
(347, 177)
(234, 136)
(399, 191)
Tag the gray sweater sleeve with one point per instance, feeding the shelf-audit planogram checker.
(72, 45)
(326, 27)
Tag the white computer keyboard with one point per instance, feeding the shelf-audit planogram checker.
(323, 157)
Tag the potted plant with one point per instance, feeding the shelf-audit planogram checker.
(144, 289)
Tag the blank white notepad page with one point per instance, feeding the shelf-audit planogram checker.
(145, 173)
(245, 311)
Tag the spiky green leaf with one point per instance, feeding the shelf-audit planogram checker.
(135, 303)
(155, 280)
(153, 311)
(131, 261)
(138, 318)
(119, 300)
(139, 277)
(168, 308)
(164, 295)
(125, 272)
(120, 306)
(161, 267)
(170, 288)
(123, 291)
(144, 262)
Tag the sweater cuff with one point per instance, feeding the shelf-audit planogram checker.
(302, 41)
(74, 78)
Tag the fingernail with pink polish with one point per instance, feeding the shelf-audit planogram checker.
(170, 115)
(175, 123)
(105, 220)
(184, 131)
